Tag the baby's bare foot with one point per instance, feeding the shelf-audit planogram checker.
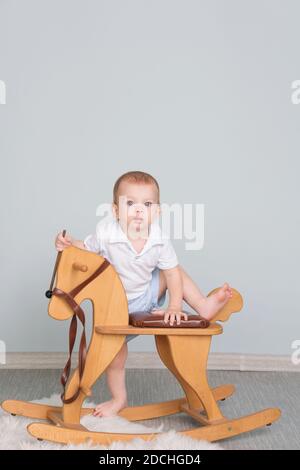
(224, 294)
(110, 408)
(213, 303)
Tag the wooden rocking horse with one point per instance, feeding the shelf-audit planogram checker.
(184, 351)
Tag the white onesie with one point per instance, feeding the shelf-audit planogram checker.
(135, 269)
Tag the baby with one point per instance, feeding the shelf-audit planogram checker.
(147, 265)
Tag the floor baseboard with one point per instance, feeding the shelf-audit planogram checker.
(151, 360)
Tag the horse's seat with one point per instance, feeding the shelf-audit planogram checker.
(147, 323)
(168, 330)
(147, 319)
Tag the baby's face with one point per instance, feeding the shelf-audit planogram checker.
(137, 206)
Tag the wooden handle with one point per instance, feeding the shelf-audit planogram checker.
(80, 267)
(48, 293)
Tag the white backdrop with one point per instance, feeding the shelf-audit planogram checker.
(198, 93)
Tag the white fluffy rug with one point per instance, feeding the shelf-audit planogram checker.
(13, 434)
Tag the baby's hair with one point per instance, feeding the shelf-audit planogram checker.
(135, 177)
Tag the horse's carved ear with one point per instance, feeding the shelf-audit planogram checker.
(235, 304)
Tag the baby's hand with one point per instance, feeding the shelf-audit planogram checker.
(171, 313)
(63, 242)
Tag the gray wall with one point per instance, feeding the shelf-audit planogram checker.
(198, 93)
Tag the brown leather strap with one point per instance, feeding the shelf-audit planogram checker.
(78, 312)
(98, 271)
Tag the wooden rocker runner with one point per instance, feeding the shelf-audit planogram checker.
(184, 351)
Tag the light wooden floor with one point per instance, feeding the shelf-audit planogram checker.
(255, 390)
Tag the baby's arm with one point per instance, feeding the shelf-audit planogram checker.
(175, 290)
(64, 242)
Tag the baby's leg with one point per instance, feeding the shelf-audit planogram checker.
(115, 376)
(207, 307)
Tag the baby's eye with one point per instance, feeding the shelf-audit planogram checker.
(129, 203)
(148, 204)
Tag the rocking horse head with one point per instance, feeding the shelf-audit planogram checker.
(75, 269)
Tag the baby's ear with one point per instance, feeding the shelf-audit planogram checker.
(114, 209)
(157, 212)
